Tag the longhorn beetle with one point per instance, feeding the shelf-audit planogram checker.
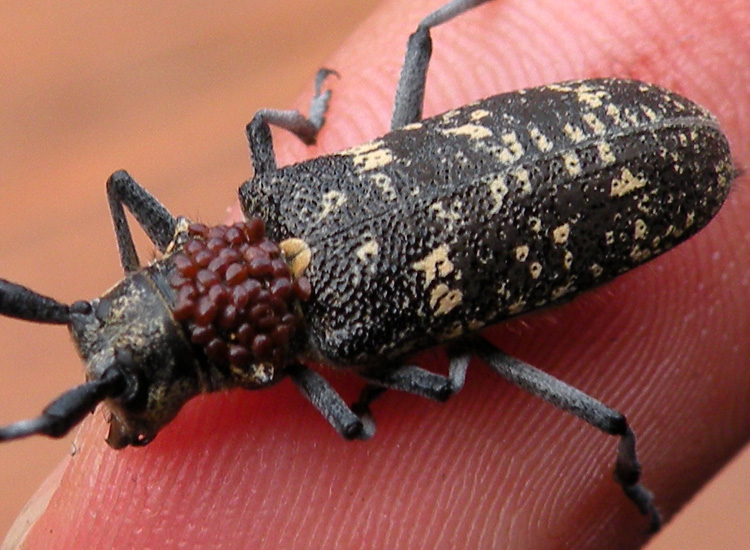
(360, 258)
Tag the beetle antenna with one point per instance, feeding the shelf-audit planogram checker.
(23, 303)
(68, 410)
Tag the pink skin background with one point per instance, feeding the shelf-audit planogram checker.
(165, 92)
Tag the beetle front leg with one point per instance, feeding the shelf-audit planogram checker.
(305, 128)
(328, 402)
(572, 400)
(153, 217)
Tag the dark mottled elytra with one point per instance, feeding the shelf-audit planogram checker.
(422, 237)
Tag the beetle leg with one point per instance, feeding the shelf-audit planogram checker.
(329, 403)
(155, 219)
(572, 400)
(413, 379)
(407, 105)
(305, 128)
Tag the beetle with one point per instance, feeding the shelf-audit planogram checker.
(422, 237)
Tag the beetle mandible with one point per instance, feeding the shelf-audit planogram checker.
(419, 238)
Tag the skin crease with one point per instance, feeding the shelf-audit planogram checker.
(494, 467)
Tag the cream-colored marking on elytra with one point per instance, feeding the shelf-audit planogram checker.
(498, 191)
(605, 153)
(640, 255)
(591, 98)
(613, 112)
(535, 269)
(568, 260)
(596, 270)
(370, 156)
(412, 126)
(368, 250)
(626, 183)
(472, 131)
(541, 141)
(560, 88)
(561, 233)
(475, 324)
(609, 237)
(641, 229)
(655, 242)
(690, 219)
(513, 150)
(683, 139)
(522, 176)
(572, 163)
(453, 331)
(298, 255)
(385, 184)
(435, 264)
(561, 291)
(649, 112)
(333, 200)
(452, 214)
(448, 116)
(594, 123)
(445, 299)
(632, 116)
(516, 307)
(535, 224)
(479, 114)
(575, 133)
(522, 252)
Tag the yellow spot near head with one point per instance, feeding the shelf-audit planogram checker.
(412, 126)
(435, 264)
(298, 255)
(561, 233)
(626, 183)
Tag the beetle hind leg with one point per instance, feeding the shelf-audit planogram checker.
(563, 396)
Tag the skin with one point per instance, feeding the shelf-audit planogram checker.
(494, 467)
